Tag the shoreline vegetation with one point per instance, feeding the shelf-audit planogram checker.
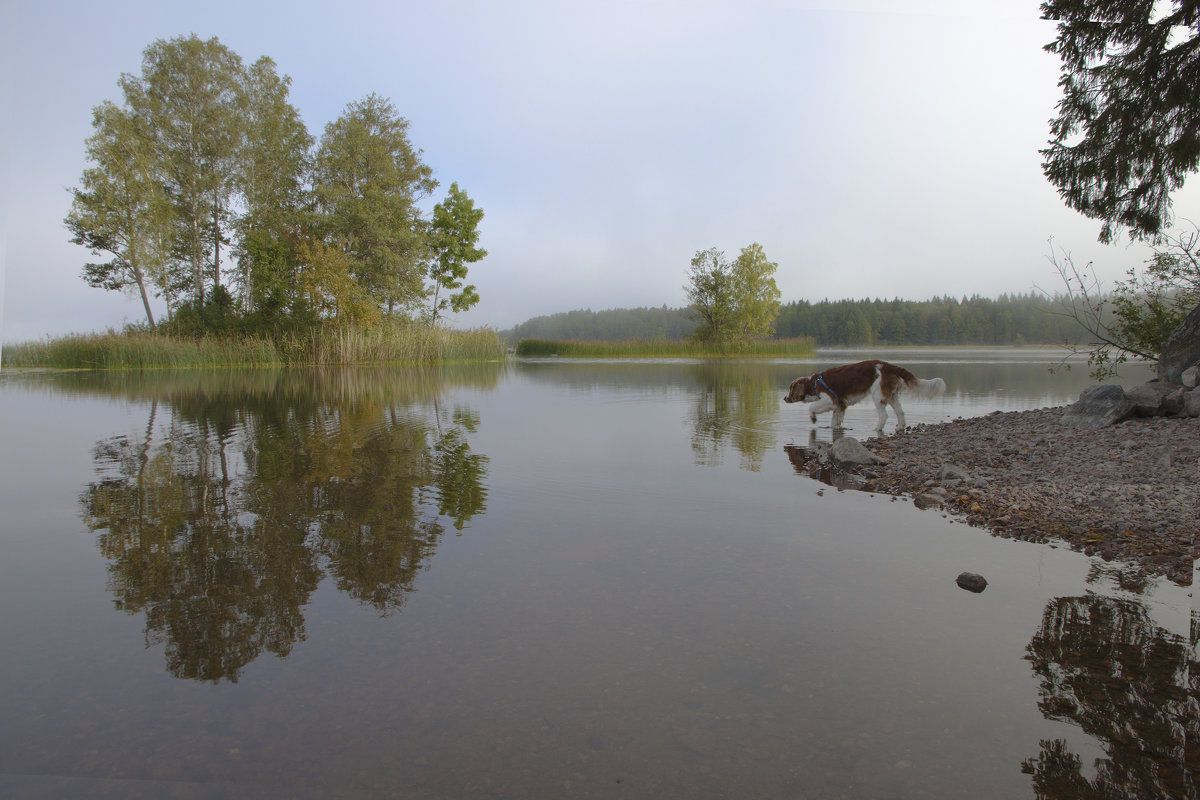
(341, 345)
(663, 348)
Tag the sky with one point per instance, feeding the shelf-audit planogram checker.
(874, 149)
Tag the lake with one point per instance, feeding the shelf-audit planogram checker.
(547, 579)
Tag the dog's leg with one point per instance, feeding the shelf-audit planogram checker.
(839, 414)
(877, 398)
(895, 404)
(881, 410)
(819, 407)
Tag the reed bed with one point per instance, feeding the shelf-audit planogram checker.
(771, 348)
(384, 344)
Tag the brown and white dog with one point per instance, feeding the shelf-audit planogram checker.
(838, 387)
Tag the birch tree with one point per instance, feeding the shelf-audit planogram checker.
(273, 165)
(121, 209)
(189, 96)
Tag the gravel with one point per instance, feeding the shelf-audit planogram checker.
(1127, 492)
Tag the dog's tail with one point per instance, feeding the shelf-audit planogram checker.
(926, 389)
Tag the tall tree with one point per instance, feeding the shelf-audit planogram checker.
(189, 95)
(368, 181)
(1128, 127)
(121, 209)
(756, 297)
(710, 295)
(272, 168)
(453, 240)
(735, 301)
(1127, 134)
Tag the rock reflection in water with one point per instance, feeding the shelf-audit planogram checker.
(814, 461)
(1105, 666)
(220, 525)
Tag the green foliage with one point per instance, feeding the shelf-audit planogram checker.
(203, 189)
(710, 294)
(1137, 317)
(1009, 320)
(453, 237)
(755, 295)
(735, 302)
(189, 96)
(1128, 126)
(121, 209)
(368, 180)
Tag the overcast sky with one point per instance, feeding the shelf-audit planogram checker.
(874, 149)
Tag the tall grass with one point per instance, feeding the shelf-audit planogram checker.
(391, 343)
(778, 348)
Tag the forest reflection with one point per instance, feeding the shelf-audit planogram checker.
(219, 521)
(1106, 667)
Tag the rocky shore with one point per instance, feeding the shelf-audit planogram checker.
(1127, 492)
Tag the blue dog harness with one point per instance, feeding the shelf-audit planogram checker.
(820, 381)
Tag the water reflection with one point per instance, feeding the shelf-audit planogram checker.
(735, 405)
(1105, 666)
(219, 523)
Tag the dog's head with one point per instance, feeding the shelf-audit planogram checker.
(802, 389)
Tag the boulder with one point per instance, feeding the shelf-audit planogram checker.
(1191, 403)
(971, 582)
(1190, 377)
(1181, 350)
(1156, 399)
(1098, 406)
(848, 453)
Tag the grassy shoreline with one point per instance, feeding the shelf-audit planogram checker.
(661, 348)
(386, 344)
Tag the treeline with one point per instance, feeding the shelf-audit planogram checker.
(1012, 319)
(206, 190)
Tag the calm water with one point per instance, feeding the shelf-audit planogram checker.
(545, 580)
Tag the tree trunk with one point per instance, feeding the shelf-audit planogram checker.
(216, 245)
(141, 284)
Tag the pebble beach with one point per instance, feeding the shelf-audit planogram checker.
(1128, 493)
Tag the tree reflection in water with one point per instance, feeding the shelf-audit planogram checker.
(1105, 666)
(735, 405)
(220, 528)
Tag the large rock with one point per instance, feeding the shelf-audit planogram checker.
(1099, 406)
(1191, 377)
(1191, 403)
(1182, 349)
(848, 453)
(1156, 399)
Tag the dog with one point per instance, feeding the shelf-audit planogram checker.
(837, 388)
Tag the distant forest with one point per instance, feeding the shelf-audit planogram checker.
(1010, 320)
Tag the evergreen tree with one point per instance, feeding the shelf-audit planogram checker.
(1128, 127)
